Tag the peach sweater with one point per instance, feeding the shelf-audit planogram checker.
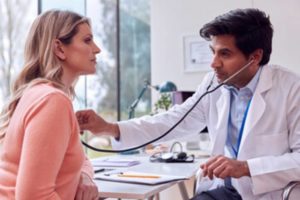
(42, 157)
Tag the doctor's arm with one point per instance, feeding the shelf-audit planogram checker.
(144, 128)
(136, 131)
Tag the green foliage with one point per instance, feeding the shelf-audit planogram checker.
(163, 103)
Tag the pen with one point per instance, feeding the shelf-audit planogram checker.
(102, 170)
(99, 170)
(137, 176)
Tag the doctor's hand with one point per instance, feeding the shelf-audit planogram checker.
(89, 120)
(87, 189)
(222, 167)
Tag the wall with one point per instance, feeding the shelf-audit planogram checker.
(171, 20)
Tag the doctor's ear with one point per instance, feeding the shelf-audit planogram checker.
(256, 56)
(58, 49)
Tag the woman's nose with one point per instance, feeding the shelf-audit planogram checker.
(97, 49)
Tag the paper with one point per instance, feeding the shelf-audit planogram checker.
(114, 162)
(137, 177)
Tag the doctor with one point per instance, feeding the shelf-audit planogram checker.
(253, 120)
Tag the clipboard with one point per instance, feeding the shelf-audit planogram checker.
(114, 162)
(137, 177)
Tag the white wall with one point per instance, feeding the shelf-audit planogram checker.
(173, 19)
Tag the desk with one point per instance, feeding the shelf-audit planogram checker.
(109, 189)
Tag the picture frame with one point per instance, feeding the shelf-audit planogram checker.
(197, 55)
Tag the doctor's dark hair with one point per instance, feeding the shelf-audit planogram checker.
(250, 27)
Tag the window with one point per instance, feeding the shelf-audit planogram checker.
(134, 55)
(16, 17)
(122, 30)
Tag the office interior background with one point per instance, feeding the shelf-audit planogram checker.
(140, 40)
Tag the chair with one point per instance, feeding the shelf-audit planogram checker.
(196, 182)
(201, 183)
(288, 189)
(285, 194)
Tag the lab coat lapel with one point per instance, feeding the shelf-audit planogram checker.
(223, 106)
(258, 104)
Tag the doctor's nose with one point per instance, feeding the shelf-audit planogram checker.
(215, 62)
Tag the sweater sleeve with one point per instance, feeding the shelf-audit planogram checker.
(47, 127)
(87, 168)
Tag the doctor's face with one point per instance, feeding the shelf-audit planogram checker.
(228, 59)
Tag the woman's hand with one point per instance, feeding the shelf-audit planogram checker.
(87, 189)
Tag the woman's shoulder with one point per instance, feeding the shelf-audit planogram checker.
(41, 93)
(44, 90)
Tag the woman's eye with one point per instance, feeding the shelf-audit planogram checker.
(88, 40)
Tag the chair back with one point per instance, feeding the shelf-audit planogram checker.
(291, 191)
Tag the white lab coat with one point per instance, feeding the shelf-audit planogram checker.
(271, 138)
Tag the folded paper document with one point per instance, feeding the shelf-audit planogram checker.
(114, 162)
(137, 177)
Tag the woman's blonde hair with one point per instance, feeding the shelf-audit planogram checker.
(41, 65)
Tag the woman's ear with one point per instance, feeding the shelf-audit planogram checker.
(58, 49)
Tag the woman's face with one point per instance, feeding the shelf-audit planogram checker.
(80, 54)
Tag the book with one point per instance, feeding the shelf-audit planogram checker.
(137, 177)
(114, 162)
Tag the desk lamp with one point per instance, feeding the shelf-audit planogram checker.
(166, 86)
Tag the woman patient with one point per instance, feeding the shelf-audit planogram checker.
(42, 157)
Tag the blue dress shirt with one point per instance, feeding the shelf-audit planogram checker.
(239, 101)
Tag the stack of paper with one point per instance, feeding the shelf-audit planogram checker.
(114, 162)
(137, 177)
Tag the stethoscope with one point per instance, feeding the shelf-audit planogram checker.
(208, 91)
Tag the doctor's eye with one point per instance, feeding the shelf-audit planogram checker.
(225, 54)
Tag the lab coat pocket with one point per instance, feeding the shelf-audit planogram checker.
(270, 144)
